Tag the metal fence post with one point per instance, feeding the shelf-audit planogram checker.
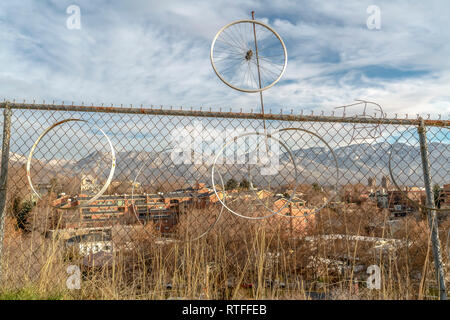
(432, 219)
(4, 175)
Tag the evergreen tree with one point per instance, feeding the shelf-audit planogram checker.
(231, 184)
(245, 184)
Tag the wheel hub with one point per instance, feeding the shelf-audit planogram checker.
(248, 55)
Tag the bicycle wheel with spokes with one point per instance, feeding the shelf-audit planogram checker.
(248, 56)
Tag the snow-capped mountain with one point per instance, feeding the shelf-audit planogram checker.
(356, 163)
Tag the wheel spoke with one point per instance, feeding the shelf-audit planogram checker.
(230, 44)
(234, 56)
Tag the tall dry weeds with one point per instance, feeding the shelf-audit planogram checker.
(238, 259)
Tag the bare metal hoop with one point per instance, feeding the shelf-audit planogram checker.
(105, 186)
(189, 239)
(316, 210)
(213, 173)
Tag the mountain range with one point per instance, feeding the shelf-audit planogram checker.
(356, 163)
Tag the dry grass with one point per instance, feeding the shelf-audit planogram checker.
(238, 259)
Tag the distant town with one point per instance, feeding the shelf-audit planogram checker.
(165, 209)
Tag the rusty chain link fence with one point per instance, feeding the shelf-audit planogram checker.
(162, 203)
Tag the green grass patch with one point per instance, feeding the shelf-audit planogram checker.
(31, 294)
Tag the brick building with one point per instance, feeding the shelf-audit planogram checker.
(399, 205)
(296, 208)
(161, 209)
(445, 197)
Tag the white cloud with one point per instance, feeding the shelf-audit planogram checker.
(154, 52)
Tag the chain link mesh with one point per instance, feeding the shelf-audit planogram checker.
(319, 203)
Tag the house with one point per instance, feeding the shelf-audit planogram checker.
(302, 215)
(264, 194)
(355, 193)
(381, 198)
(89, 184)
(445, 197)
(400, 206)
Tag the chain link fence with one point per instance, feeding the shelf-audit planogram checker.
(159, 203)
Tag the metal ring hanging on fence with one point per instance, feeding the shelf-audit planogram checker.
(396, 184)
(296, 184)
(367, 131)
(213, 171)
(105, 186)
(190, 239)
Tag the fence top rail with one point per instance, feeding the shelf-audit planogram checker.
(222, 114)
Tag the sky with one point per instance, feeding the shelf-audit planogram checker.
(157, 53)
